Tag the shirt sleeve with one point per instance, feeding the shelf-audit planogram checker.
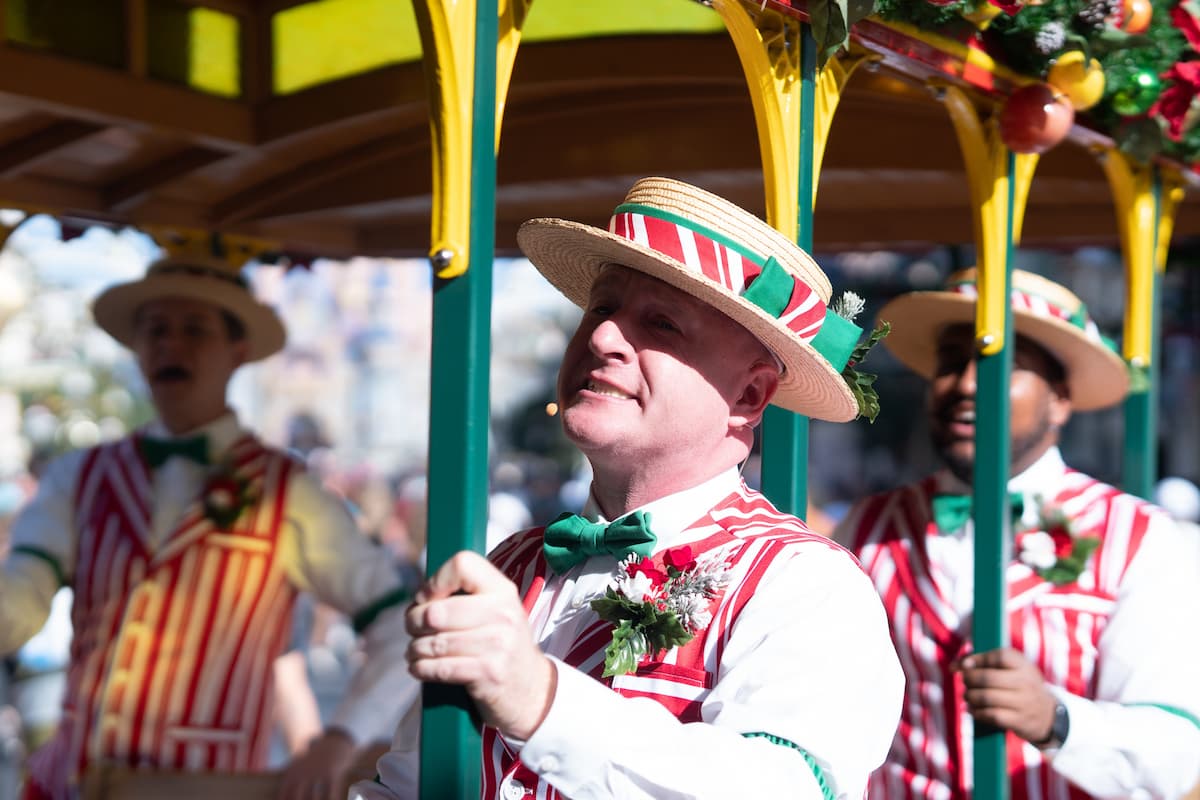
(805, 705)
(42, 554)
(1140, 737)
(326, 554)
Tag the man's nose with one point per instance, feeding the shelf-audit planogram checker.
(608, 340)
(967, 378)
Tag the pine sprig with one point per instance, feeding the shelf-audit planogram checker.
(862, 383)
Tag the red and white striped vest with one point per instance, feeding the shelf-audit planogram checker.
(1056, 627)
(744, 529)
(171, 661)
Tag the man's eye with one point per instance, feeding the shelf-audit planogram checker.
(662, 323)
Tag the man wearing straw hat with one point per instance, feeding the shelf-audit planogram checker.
(1098, 691)
(682, 637)
(185, 544)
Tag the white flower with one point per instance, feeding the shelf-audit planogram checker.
(1037, 550)
(693, 612)
(849, 306)
(637, 587)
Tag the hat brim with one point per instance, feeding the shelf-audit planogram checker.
(1096, 376)
(115, 309)
(571, 254)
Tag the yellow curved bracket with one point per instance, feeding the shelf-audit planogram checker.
(448, 41)
(768, 46)
(831, 80)
(447, 30)
(986, 161)
(1144, 242)
(512, 20)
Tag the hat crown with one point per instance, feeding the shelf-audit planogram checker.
(193, 267)
(1028, 283)
(730, 222)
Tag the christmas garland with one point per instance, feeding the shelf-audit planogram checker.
(1128, 68)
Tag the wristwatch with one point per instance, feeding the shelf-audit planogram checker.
(1058, 729)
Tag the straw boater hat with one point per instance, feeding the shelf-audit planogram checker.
(1043, 311)
(726, 257)
(208, 279)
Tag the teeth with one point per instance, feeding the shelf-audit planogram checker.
(606, 390)
(965, 417)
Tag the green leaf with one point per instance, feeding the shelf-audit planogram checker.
(829, 27)
(624, 651)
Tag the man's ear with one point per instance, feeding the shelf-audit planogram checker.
(757, 391)
(241, 351)
(1060, 405)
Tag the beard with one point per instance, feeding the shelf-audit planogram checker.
(1026, 448)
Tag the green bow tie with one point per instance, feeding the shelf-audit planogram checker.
(571, 539)
(951, 511)
(157, 451)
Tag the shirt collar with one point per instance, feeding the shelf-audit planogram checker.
(1038, 481)
(222, 432)
(670, 516)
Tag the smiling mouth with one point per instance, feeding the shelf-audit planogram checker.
(605, 390)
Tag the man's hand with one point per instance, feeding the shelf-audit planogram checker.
(319, 773)
(1004, 689)
(469, 628)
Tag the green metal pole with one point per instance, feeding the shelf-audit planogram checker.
(458, 424)
(785, 435)
(1139, 465)
(993, 519)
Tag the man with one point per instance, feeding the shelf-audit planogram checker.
(1098, 690)
(185, 544)
(753, 660)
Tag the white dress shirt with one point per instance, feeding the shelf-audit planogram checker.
(320, 548)
(809, 660)
(1150, 647)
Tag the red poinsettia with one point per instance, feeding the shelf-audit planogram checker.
(1008, 8)
(1186, 17)
(646, 567)
(1178, 105)
(680, 558)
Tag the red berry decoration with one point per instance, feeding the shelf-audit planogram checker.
(1035, 118)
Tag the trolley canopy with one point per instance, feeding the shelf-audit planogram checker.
(306, 124)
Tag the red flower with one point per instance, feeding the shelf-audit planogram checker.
(647, 568)
(680, 558)
(1177, 104)
(1008, 8)
(1184, 17)
(1063, 543)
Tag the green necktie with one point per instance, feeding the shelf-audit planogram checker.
(157, 451)
(571, 539)
(951, 511)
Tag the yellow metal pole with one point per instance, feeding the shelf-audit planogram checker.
(1146, 200)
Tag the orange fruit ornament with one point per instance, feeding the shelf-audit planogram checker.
(1135, 15)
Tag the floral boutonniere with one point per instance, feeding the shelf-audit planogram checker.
(656, 610)
(1053, 549)
(224, 497)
